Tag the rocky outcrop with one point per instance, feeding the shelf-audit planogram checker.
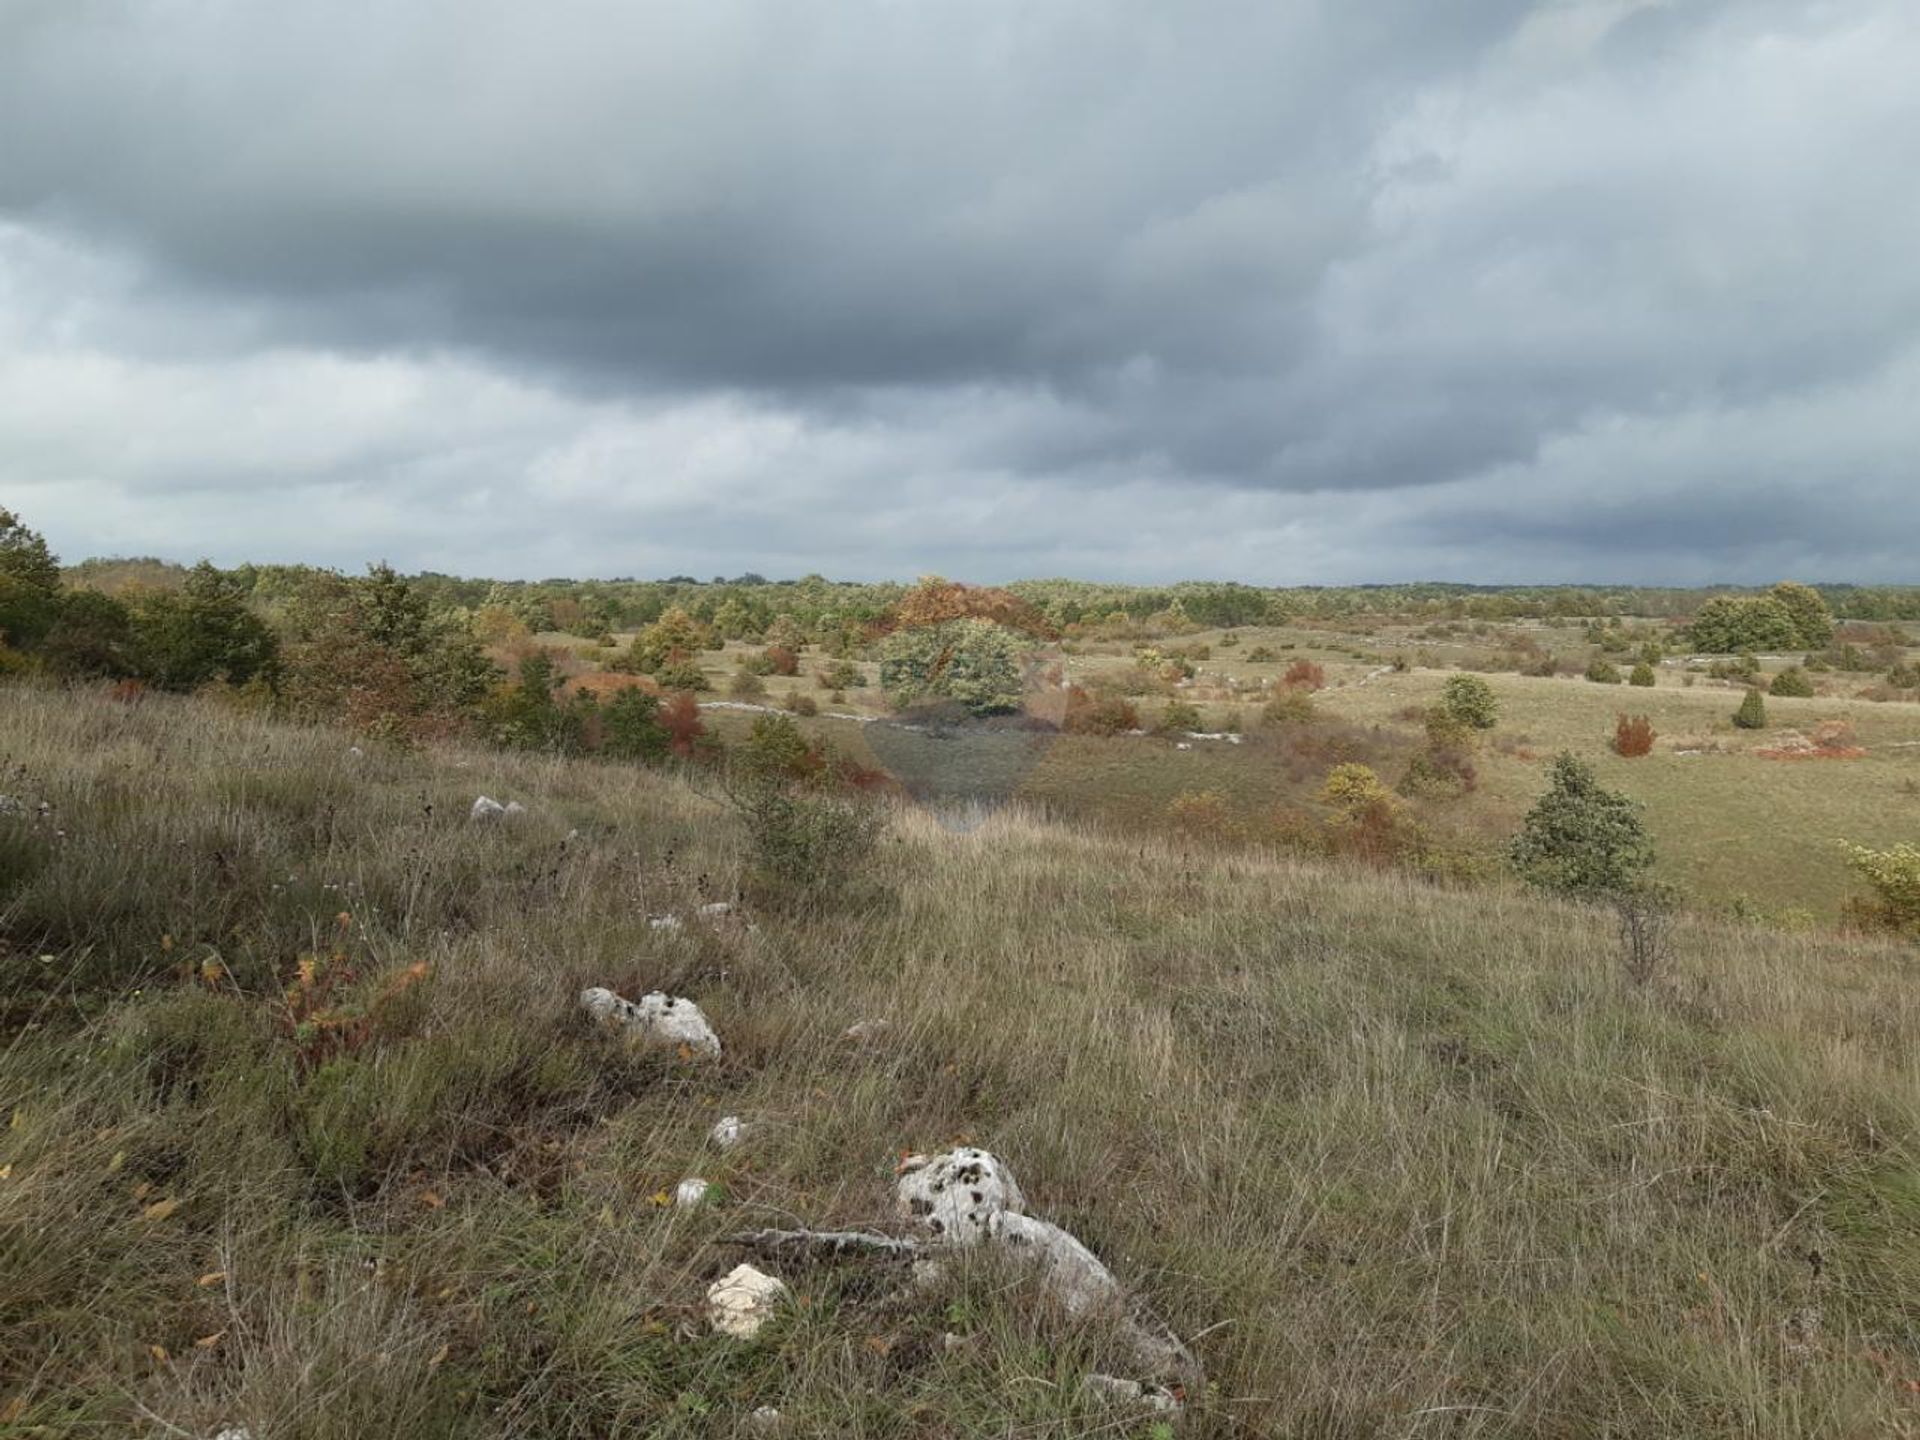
(655, 1017)
(957, 1196)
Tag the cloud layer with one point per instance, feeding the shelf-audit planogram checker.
(1280, 291)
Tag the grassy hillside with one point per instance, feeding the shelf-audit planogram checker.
(1397, 1161)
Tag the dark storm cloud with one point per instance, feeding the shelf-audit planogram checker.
(771, 282)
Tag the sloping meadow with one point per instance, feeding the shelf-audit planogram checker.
(306, 1133)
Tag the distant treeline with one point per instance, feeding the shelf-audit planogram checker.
(748, 604)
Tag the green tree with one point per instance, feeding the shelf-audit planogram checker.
(204, 632)
(1895, 877)
(528, 714)
(1642, 674)
(29, 584)
(787, 633)
(1581, 839)
(1470, 700)
(1812, 620)
(975, 662)
(1731, 624)
(1792, 683)
(674, 639)
(775, 749)
(735, 620)
(632, 727)
(1752, 714)
(92, 635)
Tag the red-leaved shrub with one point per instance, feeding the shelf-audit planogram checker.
(1304, 675)
(1099, 715)
(681, 717)
(1633, 736)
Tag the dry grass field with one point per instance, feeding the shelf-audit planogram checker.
(1733, 828)
(1398, 1161)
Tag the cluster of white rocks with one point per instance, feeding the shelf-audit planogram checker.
(957, 1199)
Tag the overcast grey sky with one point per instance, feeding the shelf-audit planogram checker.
(1288, 291)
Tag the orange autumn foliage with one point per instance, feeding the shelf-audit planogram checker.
(934, 601)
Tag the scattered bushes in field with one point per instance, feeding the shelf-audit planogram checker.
(801, 703)
(1304, 675)
(1793, 683)
(841, 675)
(745, 685)
(1288, 707)
(680, 672)
(1633, 736)
(809, 847)
(1178, 716)
(1752, 714)
(670, 642)
(1603, 672)
(1470, 700)
(1437, 774)
(1445, 729)
(1642, 675)
(781, 661)
(1893, 875)
(529, 715)
(1368, 818)
(1261, 655)
(1090, 714)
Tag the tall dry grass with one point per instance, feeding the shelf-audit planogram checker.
(1404, 1162)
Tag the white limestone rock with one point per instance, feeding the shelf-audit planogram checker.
(1070, 1272)
(764, 1420)
(727, 1132)
(957, 1195)
(668, 923)
(655, 1017)
(486, 808)
(742, 1300)
(692, 1192)
(716, 910)
(864, 1032)
(514, 807)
